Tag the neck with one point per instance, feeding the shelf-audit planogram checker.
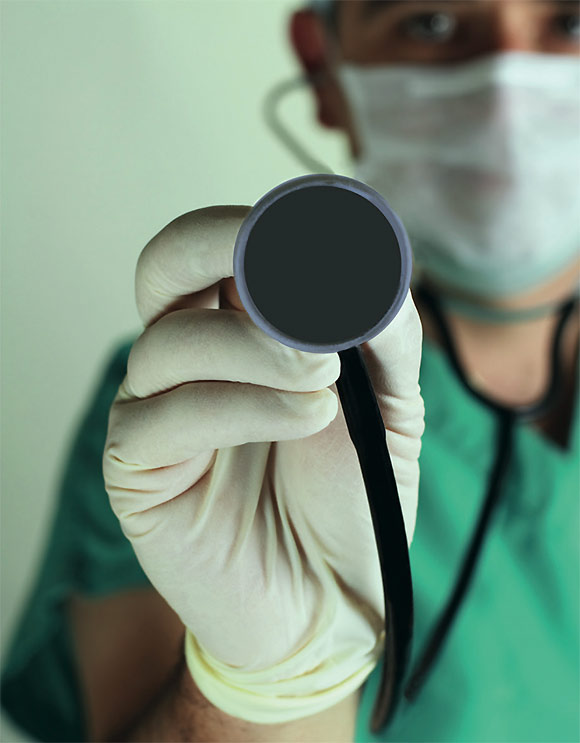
(508, 358)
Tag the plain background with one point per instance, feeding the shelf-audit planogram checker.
(117, 116)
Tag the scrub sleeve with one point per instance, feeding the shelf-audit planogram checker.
(86, 552)
(509, 671)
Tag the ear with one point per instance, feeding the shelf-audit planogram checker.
(311, 45)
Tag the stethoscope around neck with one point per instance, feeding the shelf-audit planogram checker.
(323, 264)
(506, 419)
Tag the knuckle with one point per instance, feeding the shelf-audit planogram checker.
(309, 371)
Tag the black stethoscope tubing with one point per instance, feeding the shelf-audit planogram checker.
(368, 434)
(367, 431)
(506, 419)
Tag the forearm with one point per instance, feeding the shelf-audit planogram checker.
(181, 713)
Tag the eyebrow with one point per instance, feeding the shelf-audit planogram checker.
(372, 6)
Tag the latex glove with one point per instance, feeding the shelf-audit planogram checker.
(230, 467)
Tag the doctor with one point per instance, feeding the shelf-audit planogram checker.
(220, 601)
(465, 116)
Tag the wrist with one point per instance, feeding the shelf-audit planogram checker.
(274, 695)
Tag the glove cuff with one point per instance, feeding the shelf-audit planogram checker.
(274, 695)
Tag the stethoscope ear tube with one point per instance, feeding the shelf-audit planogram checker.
(368, 434)
(440, 632)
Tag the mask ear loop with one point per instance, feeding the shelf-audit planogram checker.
(273, 121)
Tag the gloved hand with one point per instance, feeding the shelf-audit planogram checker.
(230, 467)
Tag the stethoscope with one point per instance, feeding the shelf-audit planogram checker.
(362, 414)
(323, 264)
(506, 418)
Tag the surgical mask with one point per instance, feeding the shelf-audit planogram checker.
(481, 161)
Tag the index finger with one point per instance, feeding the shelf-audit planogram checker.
(190, 254)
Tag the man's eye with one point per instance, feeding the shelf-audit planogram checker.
(436, 27)
(569, 25)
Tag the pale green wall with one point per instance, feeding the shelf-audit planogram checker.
(116, 118)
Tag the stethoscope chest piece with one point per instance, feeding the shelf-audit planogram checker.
(322, 263)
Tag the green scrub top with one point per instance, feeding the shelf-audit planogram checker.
(510, 668)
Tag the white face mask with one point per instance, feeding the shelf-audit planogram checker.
(481, 162)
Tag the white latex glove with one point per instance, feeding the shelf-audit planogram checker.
(230, 467)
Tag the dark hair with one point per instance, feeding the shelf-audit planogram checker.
(328, 12)
(332, 16)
